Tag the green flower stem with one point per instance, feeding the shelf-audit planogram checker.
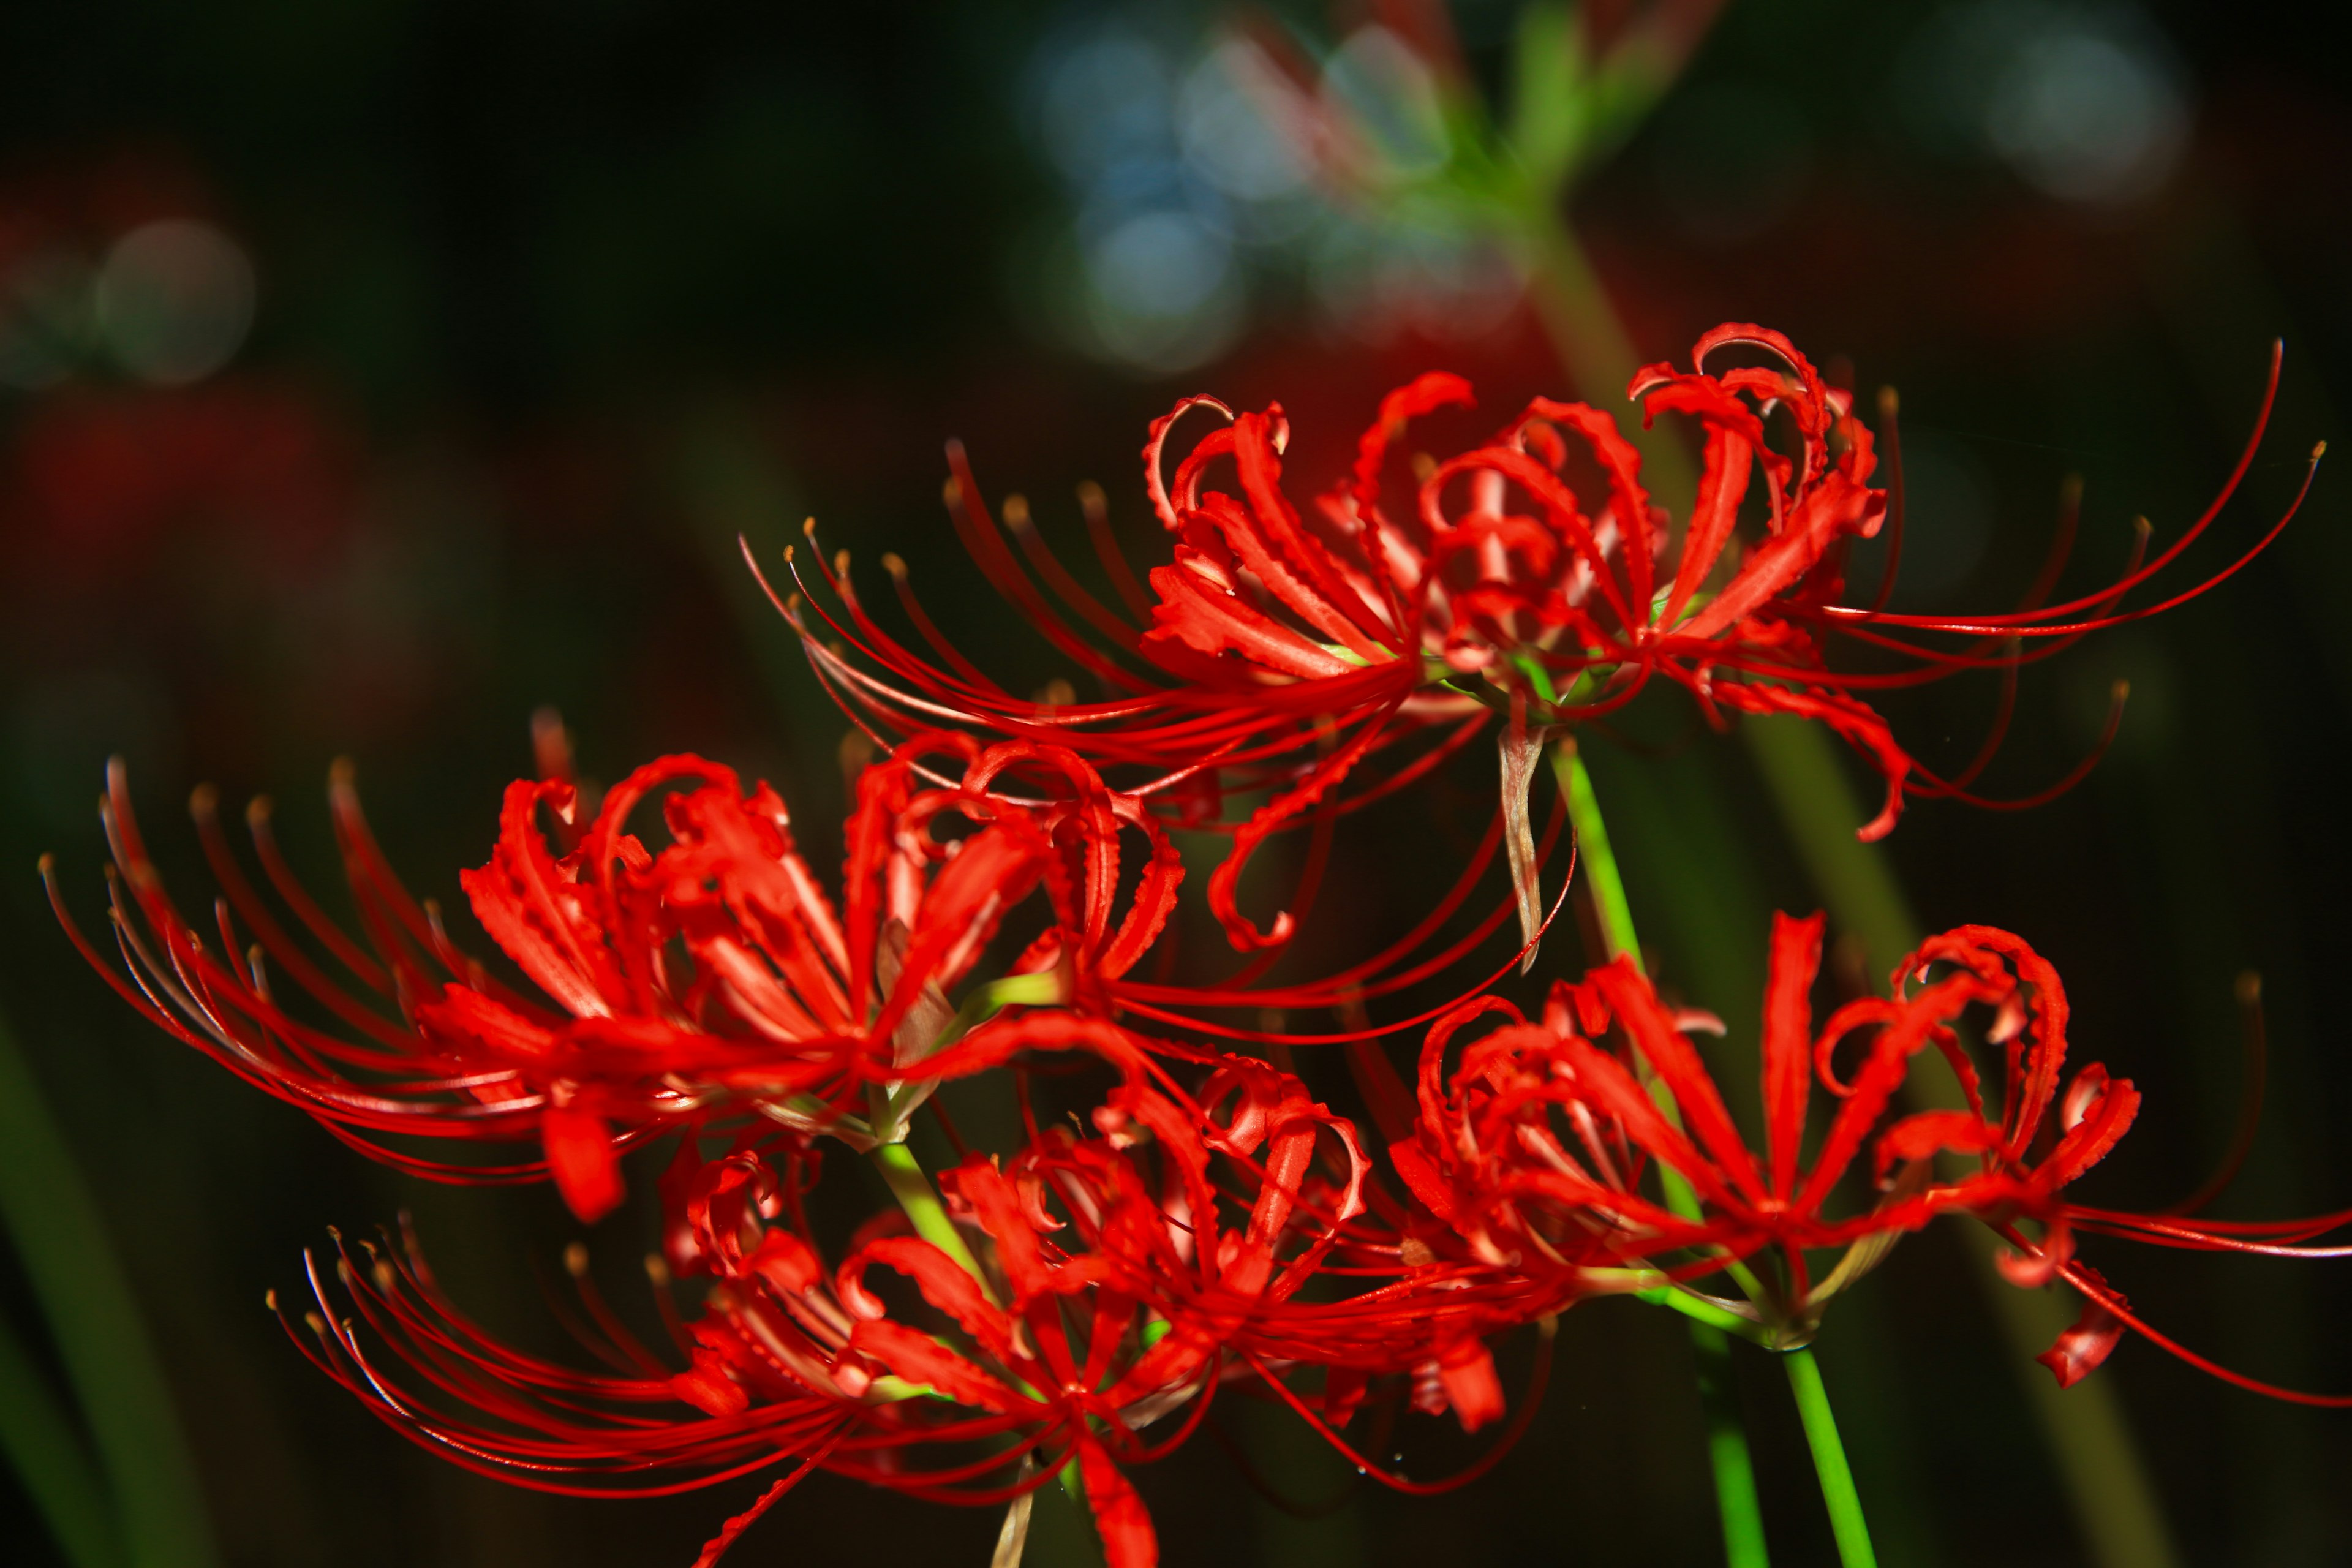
(913, 1189)
(1829, 1461)
(156, 1506)
(1595, 857)
(1726, 1450)
(1727, 1439)
(1701, 1312)
(2114, 1500)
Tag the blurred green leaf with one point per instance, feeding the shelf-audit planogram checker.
(116, 1377)
(51, 1460)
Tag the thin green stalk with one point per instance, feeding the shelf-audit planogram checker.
(1829, 1461)
(110, 1365)
(1726, 1448)
(912, 1188)
(1741, 1510)
(2114, 1500)
(1594, 856)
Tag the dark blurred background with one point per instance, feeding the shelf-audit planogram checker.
(372, 374)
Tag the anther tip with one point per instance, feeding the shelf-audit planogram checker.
(341, 774)
(2142, 527)
(1016, 511)
(952, 492)
(1890, 402)
(269, 1299)
(808, 528)
(1090, 494)
(575, 1259)
(2121, 689)
(258, 810)
(47, 864)
(894, 564)
(657, 1269)
(2318, 450)
(2249, 987)
(203, 801)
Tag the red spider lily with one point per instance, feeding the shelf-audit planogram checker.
(1109, 1291)
(1535, 1146)
(707, 980)
(1284, 646)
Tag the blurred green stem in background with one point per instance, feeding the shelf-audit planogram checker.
(51, 1461)
(129, 1499)
(1718, 1395)
(1829, 1460)
(2114, 1500)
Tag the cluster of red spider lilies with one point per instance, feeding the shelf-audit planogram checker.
(1070, 1304)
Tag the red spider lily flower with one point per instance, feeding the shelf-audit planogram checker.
(1284, 646)
(706, 981)
(1108, 1292)
(1535, 1146)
